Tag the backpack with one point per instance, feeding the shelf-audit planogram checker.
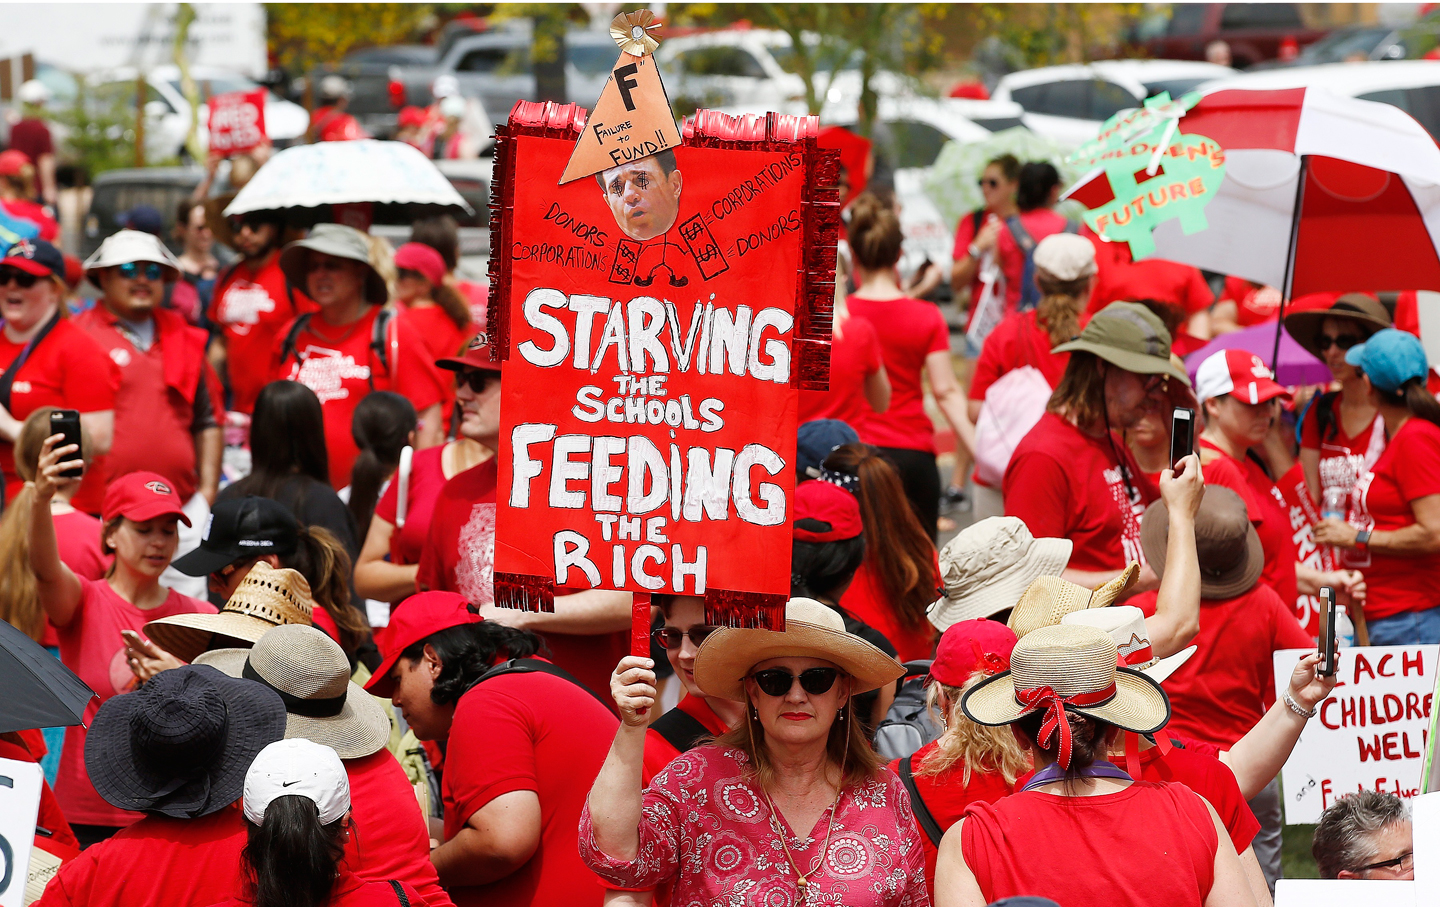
(1011, 408)
(1029, 292)
(909, 724)
(377, 340)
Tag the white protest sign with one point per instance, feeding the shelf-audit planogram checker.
(1370, 734)
(19, 805)
(1344, 893)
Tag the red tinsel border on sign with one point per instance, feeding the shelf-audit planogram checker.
(815, 285)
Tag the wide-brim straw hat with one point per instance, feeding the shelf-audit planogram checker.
(812, 630)
(986, 568)
(1049, 598)
(1304, 326)
(312, 676)
(1072, 661)
(341, 242)
(266, 598)
(1231, 557)
(1126, 626)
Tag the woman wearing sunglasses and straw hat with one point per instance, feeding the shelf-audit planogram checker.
(792, 806)
(1108, 839)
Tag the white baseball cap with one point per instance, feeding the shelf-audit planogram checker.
(1240, 373)
(297, 768)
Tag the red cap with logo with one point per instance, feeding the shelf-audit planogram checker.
(141, 496)
(1239, 373)
(825, 513)
(476, 355)
(970, 646)
(416, 618)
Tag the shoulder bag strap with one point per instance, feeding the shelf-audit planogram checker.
(378, 343)
(681, 729)
(7, 380)
(536, 666)
(287, 348)
(400, 893)
(932, 829)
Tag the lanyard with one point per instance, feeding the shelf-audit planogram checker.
(1098, 769)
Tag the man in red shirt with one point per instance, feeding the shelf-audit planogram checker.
(252, 302)
(168, 408)
(588, 631)
(331, 123)
(31, 136)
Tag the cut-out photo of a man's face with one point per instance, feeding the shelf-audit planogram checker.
(643, 195)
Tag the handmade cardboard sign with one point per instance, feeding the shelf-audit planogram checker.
(1372, 733)
(655, 324)
(1294, 496)
(19, 804)
(631, 121)
(237, 121)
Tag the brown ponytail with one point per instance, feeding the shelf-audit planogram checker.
(1058, 311)
(874, 233)
(1421, 403)
(325, 564)
(448, 298)
(898, 551)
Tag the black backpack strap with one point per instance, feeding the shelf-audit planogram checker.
(377, 341)
(681, 729)
(7, 380)
(400, 893)
(536, 666)
(932, 829)
(287, 347)
(1022, 237)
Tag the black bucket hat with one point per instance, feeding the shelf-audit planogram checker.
(181, 744)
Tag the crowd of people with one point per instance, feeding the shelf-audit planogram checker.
(307, 694)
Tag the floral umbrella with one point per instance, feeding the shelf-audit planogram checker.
(952, 181)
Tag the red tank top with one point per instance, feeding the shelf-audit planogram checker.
(1148, 844)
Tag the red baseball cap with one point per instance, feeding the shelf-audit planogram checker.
(141, 496)
(970, 646)
(416, 618)
(1240, 373)
(12, 162)
(410, 116)
(826, 513)
(418, 257)
(476, 355)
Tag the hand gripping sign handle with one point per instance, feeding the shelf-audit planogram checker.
(640, 628)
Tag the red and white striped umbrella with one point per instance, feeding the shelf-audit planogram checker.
(1321, 193)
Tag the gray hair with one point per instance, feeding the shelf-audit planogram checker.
(1343, 837)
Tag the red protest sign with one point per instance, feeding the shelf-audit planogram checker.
(656, 323)
(237, 121)
(1295, 497)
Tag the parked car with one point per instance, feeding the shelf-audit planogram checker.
(1411, 85)
(378, 89)
(1254, 31)
(167, 113)
(1068, 103)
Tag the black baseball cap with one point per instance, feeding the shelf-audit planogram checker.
(35, 256)
(240, 529)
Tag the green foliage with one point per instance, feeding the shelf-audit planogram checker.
(101, 128)
(305, 35)
(1046, 34)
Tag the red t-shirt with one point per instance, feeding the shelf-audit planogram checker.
(351, 890)
(77, 535)
(1219, 694)
(251, 305)
(866, 600)
(659, 752)
(92, 647)
(854, 356)
(1254, 303)
(1147, 844)
(1018, 340)
(1342, 456)
(155, 404)
(427, 477)
(459, 556)
(1267, 510)
(1409, 469)
(1164, 281)
(1065, 484)
(947, 796)
(389, 840)
(340, 366)
(909, 330)
(67, 369)
(36, 214)
(442, 338)
(1040, 223)
(50, 817)
(157, 860)
(32, 137)
(1195, 765)
(528, 732)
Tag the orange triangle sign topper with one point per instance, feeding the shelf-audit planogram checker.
(632, 120)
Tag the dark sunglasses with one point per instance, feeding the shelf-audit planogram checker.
(1344, 341)
(130, 269)
(25, 279)
(1402, 862)
(238, 222)
(672, 637)
(477, 378)
(403, 273)
(778, 681)
(987, 183)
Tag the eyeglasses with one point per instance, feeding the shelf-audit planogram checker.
(477, 378)
(1344, 341)
(778, 681)
(25, 279)
(1405, 862)
(988, 183)
(131, 269)
(672, 637)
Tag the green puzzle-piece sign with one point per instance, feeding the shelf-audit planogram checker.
(1190, 172)
(1147, 122)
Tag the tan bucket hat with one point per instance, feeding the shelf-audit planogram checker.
(311, 674)
(1231, 559)
(1126, 626)
(988, 566)
(1130, 336)
(267, 597)
(339, 241)
(1361, 308)
(1049, 598)
(812, 630)
(1078, 664)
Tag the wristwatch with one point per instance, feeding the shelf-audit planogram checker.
(1362, 540)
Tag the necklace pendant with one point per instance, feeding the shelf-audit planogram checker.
(801, 884)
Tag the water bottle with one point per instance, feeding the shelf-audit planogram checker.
(1336, 499)
(1344, 629)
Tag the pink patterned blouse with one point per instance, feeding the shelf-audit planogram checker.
(712, 834)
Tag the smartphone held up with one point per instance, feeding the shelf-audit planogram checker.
(1182, 436)
(67, 422)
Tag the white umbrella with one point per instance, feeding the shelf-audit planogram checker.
(337, 173)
